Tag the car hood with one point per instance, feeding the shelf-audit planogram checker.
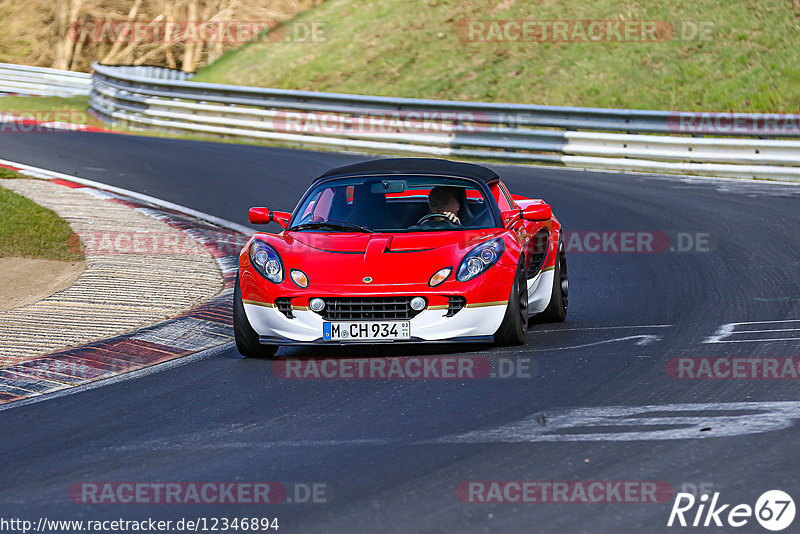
(348, 258)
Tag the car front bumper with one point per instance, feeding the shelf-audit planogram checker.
(474, 323)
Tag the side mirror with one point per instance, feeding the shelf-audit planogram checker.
(537, 212)
(259, 216)
(264, 216)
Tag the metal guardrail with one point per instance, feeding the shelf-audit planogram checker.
(40, 81)
(634, 140)
(718, 144)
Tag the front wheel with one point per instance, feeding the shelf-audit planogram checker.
(515, 322)
(556, 311)
(246, 338)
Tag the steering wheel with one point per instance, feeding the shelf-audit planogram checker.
(430, 216)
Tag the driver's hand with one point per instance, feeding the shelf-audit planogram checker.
(452, 217)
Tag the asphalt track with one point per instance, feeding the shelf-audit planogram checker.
(392, 452)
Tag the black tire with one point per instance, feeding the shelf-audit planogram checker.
(515, 322)
(246, 338)
(556, 311)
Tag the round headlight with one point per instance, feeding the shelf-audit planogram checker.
(266, 261)
(488, 255)
(417, 303)
(272, 267)
(475, 266)
(316, 304)
(480, 259)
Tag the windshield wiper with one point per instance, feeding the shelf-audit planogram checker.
(333, 225)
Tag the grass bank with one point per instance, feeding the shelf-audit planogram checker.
(29, 230)
(714, 55)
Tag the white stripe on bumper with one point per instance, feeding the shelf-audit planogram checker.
(429, 325)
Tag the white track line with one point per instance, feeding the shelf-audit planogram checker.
(772, 330)
(769, 322)
(644, 340)
(728, 330)
(641, 423)
(577, 329)
(757, 340)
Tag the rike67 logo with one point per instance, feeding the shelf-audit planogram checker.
(774, 510)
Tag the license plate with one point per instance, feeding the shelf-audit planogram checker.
(366, 331)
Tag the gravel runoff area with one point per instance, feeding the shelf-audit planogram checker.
(139, 271)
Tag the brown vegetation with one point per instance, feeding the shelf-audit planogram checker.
(71, 34)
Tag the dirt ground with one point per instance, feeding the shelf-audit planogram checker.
(26, 280)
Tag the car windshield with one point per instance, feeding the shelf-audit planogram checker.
(394, 204)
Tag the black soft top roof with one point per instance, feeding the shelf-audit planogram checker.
(415, 166)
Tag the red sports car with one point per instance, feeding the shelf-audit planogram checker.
(401, 250)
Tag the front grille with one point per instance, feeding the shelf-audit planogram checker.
(284, 306)
(454, 305)
(368, 309)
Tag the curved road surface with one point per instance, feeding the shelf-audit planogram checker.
(392, 452)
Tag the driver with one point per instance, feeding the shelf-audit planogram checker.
(444, 200)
